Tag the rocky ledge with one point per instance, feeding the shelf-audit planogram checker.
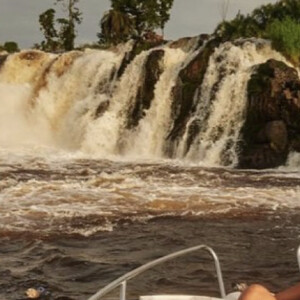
(272, 125)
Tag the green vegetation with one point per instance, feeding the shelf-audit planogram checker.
(127, 19)
(279, 22)
(256, 23)
(139, 19)
(47, 23)
(285, 37)
(10, 47)
(147, 15)
(62, 38)
(134, 19)
(68, 25)
(116, 27)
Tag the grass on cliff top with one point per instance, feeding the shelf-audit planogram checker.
(279, 22)
(285, 37)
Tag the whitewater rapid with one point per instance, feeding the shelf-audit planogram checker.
(76, 102)
(86, 196)
(70, 163)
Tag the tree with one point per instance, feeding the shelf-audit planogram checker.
(116, 27)
(145, 16)
(148, 15)
(256, 23)
(47, 26)
(10, 47)
(164, 13)
(67, 31)
(63, 37)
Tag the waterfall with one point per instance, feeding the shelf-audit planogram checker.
(222, 101)
(19, 74)
(103, 134)
(52, 98)
(76, 101)
(72, 95)
(148, 138)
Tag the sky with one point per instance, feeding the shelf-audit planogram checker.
(19, 18)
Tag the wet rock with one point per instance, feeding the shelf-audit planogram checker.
(187, 43)
(272, 126)
(189, 81)
(101, 109)
(2, 60)
(145, 94)
(31, 55)
(275, 133)
(64, 62)
(180, 43)
(138, 46)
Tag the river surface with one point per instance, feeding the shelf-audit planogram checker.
(86, 191)
(74, 224)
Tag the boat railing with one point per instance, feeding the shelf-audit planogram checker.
(122, 281)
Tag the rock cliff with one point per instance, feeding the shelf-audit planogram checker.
(272, 125)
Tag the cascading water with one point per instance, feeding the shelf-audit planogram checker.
(55, 97)
(148, 138)
(70, 99)
(103, 134)
(83, 177)
(18, 77)
(77, 103)
(222, 101)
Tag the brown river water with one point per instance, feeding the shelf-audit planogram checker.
(73, 225)
(82, 202)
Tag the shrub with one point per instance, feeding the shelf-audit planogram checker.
(11, 47)
(240, 26)
(256, 23)
(285, 37)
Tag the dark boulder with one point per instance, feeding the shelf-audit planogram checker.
(275, 134)
(272, 125)
(145, 94)
(102, 108)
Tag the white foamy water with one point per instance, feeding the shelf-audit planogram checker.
(85, 196)
(103, 134)
(148, 138)
(222, 100)
(75, 102)
(63, 116)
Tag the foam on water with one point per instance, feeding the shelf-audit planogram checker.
(18, 126)
(63, 116)
(83, 196)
